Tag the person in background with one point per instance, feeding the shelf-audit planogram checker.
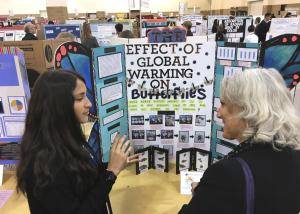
(188, 26)
(262, 174)
(263, 27)
(288, 15)
(58, 171)
(215, 26)
(119, 28)
(30, 30)
(87, 39)
(251, 37)
(126, 34)
(220, 35)
(67, 36)
(50, 22)
(257, 21)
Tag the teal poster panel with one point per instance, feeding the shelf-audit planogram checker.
(230, 59)
(111, 94)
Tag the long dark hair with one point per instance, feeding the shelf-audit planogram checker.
(53, 137)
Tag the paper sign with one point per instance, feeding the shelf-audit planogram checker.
(4, 196)
(186, 179)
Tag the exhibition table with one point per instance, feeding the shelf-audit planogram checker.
(150, 192)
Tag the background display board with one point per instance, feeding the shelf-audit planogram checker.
(211, 19)
(283, 53)
(280, 26)
(170, 94)
(106, 30)
(237, 28)
(230, 59)
(52, 31)
(14, 96)
(111, 94)
(199, 25)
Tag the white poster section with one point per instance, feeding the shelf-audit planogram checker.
(105, 33)
(210, 21)
(170, 94)
(199, 27)
(280, 26)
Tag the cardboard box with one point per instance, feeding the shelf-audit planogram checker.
(39, 54)
(59, 14)
(100, 14)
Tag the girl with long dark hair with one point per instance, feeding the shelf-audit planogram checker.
(57, 170)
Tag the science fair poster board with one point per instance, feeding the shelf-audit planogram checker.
(211, 19)
(231, 58)
(280, 26)
(236, 29)
(283, 54)
(111, 94)
(14, 96)
(170, 94)
(52, 31)
(199, 25)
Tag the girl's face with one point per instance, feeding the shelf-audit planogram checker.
(82, 104)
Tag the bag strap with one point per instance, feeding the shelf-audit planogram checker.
(249, 186)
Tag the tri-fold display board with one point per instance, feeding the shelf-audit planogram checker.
(14, 96)
(166, 95)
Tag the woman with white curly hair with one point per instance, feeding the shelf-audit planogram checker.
(262, 174)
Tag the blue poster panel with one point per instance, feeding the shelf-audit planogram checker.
(52, 31)
(14, 96)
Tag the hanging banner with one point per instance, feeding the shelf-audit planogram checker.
(170, 94)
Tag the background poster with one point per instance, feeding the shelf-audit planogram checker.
(170, 91)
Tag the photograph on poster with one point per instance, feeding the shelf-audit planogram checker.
(1, 106)
(137, 147)
(185, 119)
(111, 93)
(166, 134)
(110, 65)
(170, 120)
(138, 134)
(160, 160)
(170, 149)
(200, 120)
(184, 161)
(183, 137)
(143, 164)
(151, 135)
(156, 119)
(137, 120)
(202, 160)
(199, 137)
